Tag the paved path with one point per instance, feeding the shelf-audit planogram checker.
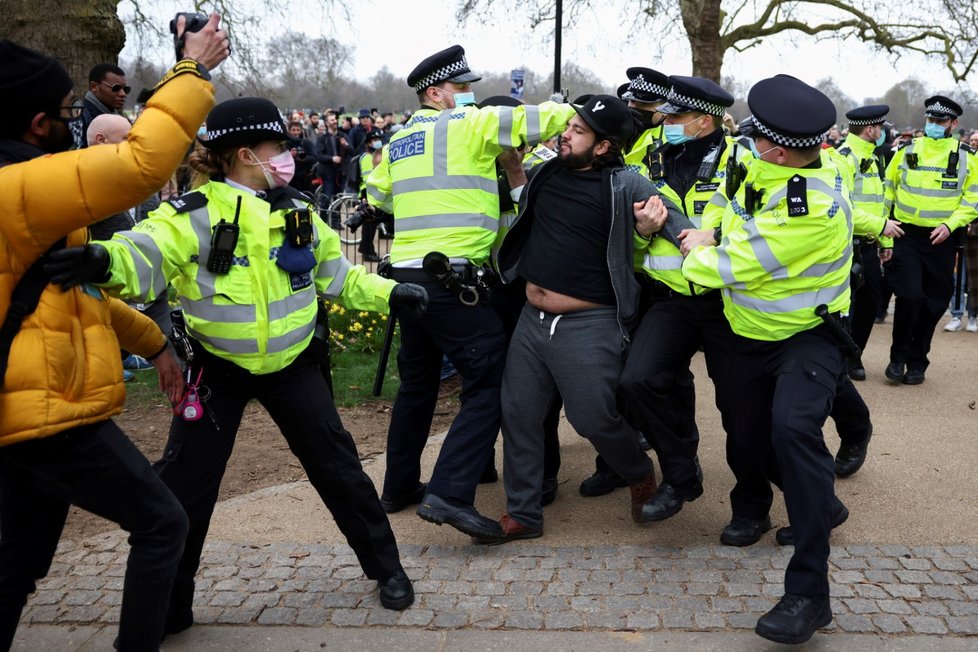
(276, 575)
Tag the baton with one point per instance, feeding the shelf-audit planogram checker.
(385, 352)
(840, 334)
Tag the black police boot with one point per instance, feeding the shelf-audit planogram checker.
(394, 504)
(668, 501)
(549, 491)
(795, 618)
(894, 371)
(913, 377)
(840, 514)
(856, 369)
(742, 532)
(461, 516)
(396, 592)
(489, 474)
(850, 458)
(600, 484)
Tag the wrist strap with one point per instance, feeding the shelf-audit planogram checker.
(150, 358)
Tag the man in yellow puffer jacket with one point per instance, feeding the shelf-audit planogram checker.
(63, 380)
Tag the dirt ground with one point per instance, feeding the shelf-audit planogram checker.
(261, 457)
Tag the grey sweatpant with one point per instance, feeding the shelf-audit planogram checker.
(579, 355)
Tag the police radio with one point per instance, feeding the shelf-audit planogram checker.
(224, 238)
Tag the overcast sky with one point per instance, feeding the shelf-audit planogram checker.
(398, 35)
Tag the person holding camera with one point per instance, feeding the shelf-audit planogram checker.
(61, 370)
(247, 256)
(360, 169)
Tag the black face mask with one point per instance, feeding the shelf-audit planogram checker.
(645, 118)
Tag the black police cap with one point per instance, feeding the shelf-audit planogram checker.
(942, 107)
(620, 92)
(789, 112)
(696, 94)
(446, 65)
(608, 116)
(646, 85)
(244, 121)
(499, 100)
(873, 114)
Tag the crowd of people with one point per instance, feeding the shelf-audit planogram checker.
(615, 234)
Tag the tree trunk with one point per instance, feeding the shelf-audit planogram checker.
(701, 19)
(79, 33)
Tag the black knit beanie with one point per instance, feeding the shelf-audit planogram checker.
(30, 83)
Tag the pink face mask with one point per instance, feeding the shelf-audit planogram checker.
(278, 170)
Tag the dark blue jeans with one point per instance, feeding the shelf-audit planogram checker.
(473, 339)
(97, 468)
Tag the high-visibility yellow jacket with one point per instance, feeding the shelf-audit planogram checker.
(64, 368)
(659, 258)
(775, 267)
(438, 176)
(865, 176)
(933, 181)
(257, 315)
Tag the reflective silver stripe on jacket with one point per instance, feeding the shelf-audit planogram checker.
(446, 221)
(662, 262)
(207, 310)
(799, 301)
(337, 269)
(225, 343)
(449, 182)
(505, 137)
(142, 248)
(533, 128)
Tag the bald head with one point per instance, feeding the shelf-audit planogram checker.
(107, 128)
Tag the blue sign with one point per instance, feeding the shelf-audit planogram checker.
(410, 145)
(516, 88)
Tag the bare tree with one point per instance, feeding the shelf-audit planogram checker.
(79, 33)
(943, 29)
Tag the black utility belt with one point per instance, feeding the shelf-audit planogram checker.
(467, 272)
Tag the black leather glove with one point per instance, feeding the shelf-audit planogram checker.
(409, 296)
(76, 265)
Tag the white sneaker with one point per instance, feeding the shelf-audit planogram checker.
(972, 325)
(954, 325)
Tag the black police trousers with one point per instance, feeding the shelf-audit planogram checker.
(866, 300)
(473, 339)
(922, 277)
(298, 400)
(782, 395)
(660, 400)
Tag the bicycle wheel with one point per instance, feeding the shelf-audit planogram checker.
(340, 210)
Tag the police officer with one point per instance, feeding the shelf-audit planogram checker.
(360, 169)
(438, 177)
(932, 188)
(247, 256)
(656, 383)
(785, 250)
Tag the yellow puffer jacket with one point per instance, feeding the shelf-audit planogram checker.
(64, 368)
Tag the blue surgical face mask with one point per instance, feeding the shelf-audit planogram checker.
(934, 130)
(882, 139)
(676, 134)
(462, 99)
(753, 149)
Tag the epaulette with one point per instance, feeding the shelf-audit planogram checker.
(968, 148)
(845, 151)
(188, 201)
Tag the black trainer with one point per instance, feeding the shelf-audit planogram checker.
(913, 377)
(668, 501)
(394, 504)
(894, 371)
(396, 592)
(840, 514)
(461, 516)
(600, 484)
(795, 618)
(850, 458)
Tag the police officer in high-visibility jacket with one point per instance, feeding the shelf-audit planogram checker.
(438, 177)
(247, 256)
(656, 382)
(872, 227)
(932, 188)
(784, 251)
(647, 90)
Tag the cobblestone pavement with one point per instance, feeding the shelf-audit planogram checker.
(882, 589)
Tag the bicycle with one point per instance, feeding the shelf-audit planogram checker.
(341, 207)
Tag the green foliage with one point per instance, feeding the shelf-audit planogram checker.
(357, 331)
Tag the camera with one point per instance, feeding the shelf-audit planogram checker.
(364, 213)
(194, 23)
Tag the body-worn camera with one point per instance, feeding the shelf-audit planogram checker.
(194, 23)
(298, 227)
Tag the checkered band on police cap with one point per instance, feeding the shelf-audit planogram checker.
(639, 84)
(695, 103)
(785, 140)
(937, 108)
(261, 126)
(868, 121)
(441, 74)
